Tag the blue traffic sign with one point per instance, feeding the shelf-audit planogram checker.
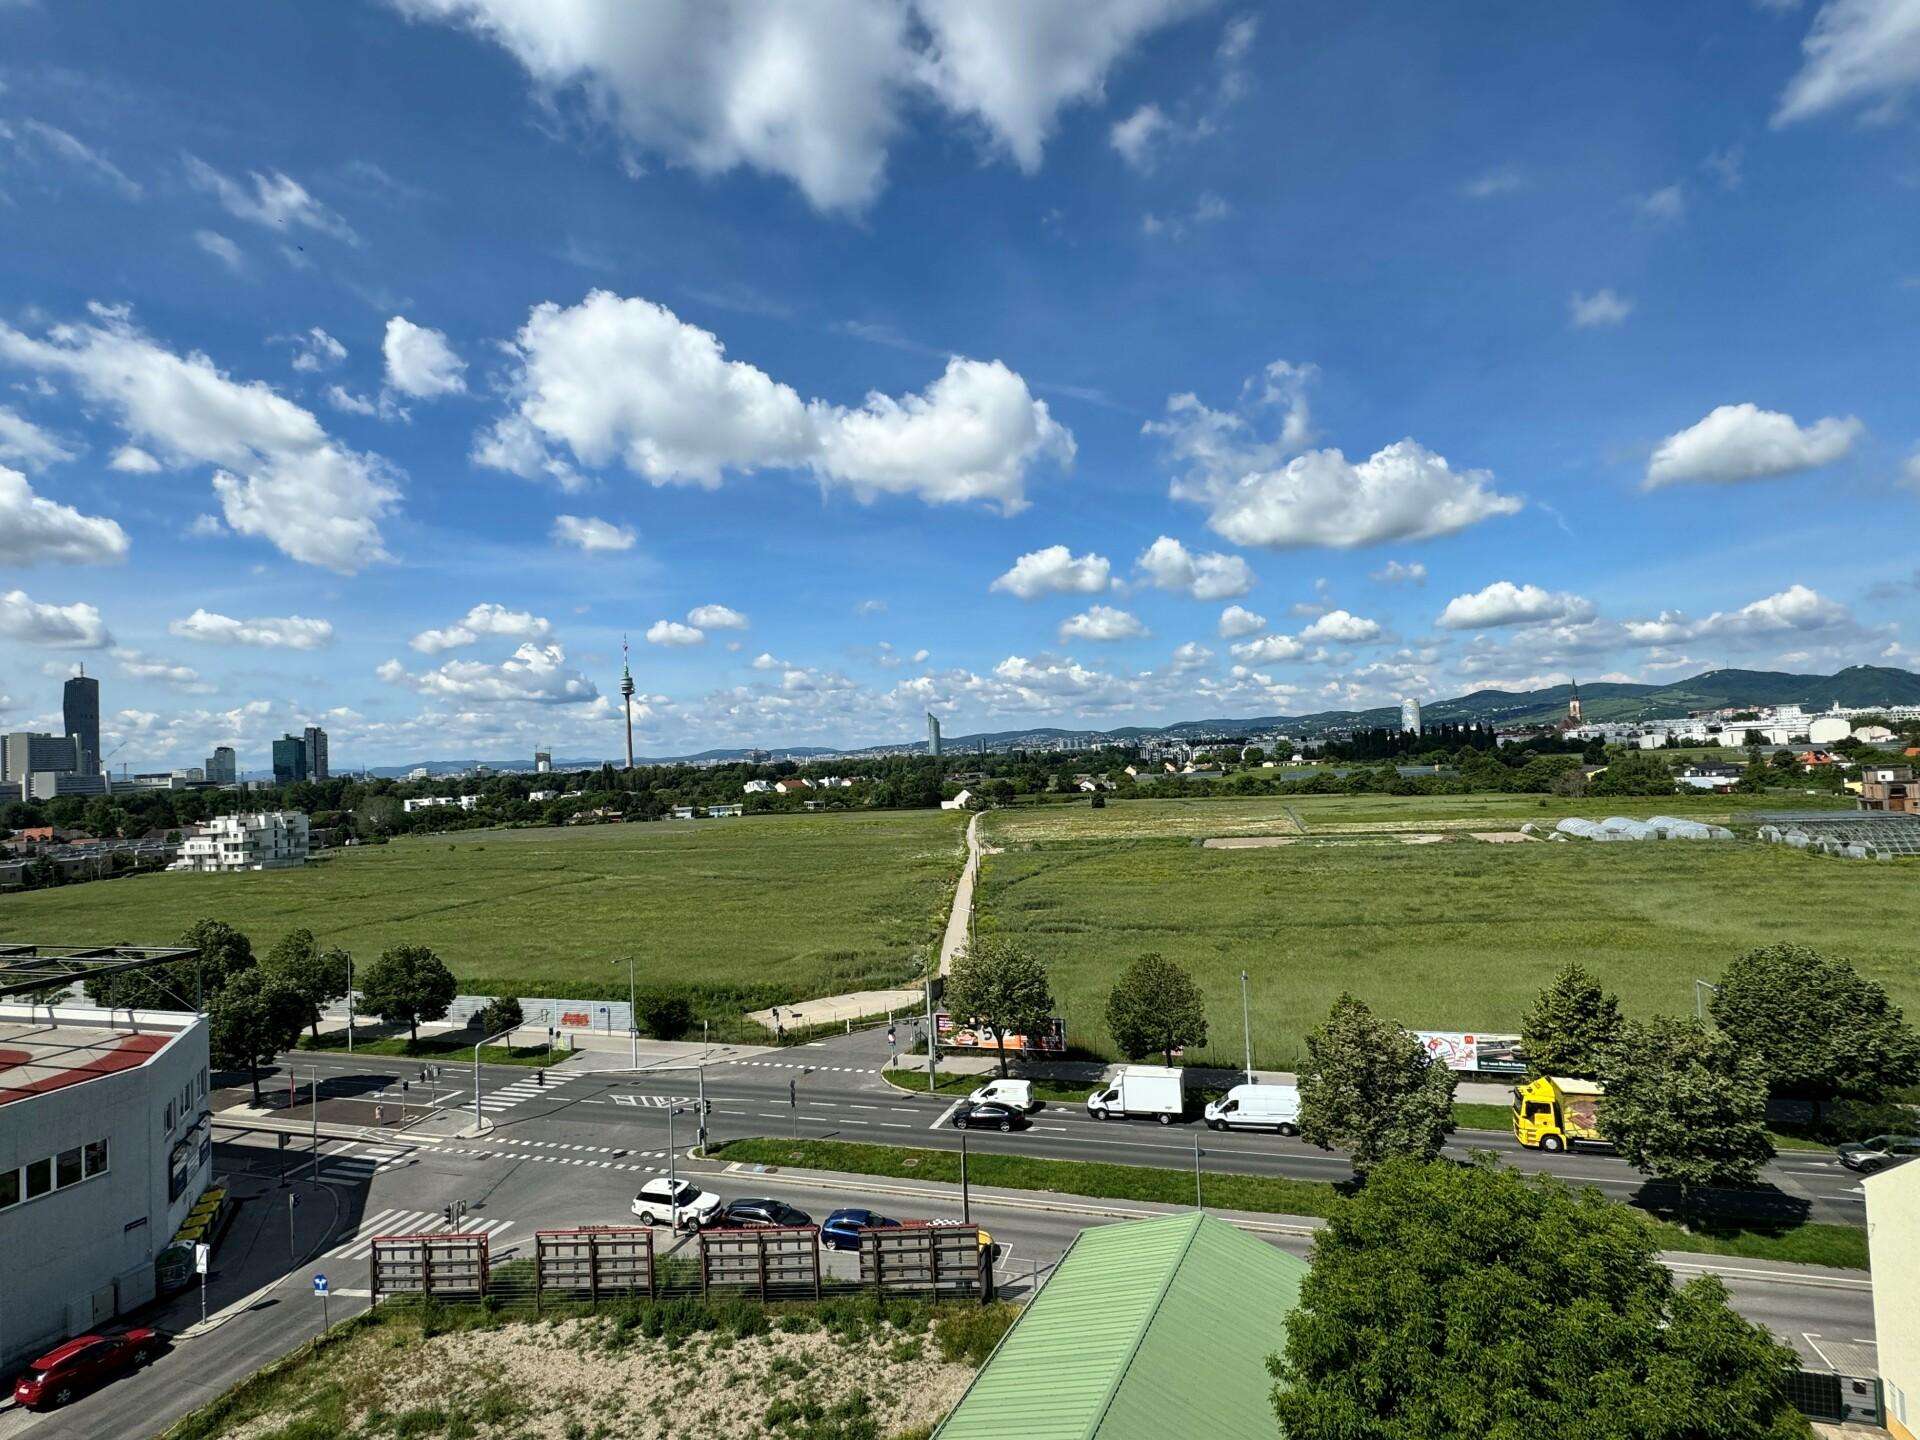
(319, 1284)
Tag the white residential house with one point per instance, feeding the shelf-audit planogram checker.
(275, 840)
(758, 787)
(540, 797)
(722, 812)
(959, 802)
(435, 802)
(682, 812)
(792, 785)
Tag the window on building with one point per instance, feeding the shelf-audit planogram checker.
(96, 1158)
(67, 1168)
(9, 1189)
(167, 1124)
(39, 1178)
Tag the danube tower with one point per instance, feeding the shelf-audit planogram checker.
(626, 697)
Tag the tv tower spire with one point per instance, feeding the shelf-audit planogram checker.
(626, 696)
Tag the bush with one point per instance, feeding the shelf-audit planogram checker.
(666, 1017)
(501, 1013)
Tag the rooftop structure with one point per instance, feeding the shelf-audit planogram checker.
(1146, 1329)
(27, 968)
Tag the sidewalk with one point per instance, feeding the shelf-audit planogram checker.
(257, 1253)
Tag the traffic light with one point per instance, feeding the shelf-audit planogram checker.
(448, 1213)
(793, 1093)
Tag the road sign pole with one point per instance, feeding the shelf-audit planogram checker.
(313, 1103)
(293, 1203)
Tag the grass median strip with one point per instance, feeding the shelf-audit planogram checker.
(435, 1047)
(1839, 1246)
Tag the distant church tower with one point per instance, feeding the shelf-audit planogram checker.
(1573, 706)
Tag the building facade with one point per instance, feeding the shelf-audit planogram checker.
(1410, 716)
(273, 840)
(105, 1145)
(289, 760)
(1893, 1241)
(223, 767)
(26, 752)
(542, 762)
(933, 734)
(80, 709)
(316, 742)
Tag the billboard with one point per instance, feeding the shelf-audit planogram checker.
(1467, 1050)
(974, 1036)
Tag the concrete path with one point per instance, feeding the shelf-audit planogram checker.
(866, 1004)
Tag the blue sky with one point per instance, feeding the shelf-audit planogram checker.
(381, 364)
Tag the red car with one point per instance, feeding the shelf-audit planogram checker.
(81, 1363)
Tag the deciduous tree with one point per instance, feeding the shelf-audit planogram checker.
(1002, 988)
(1370, 1088)
(406, 985)
(1820, 1030)
(1571, 1025)
(1155, 1008)
(255, 1016)
(1686, 1105)
(1450, 1300)
(223, 953)
(318, 976)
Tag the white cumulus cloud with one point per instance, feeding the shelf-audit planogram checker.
(1505, 603)
(316, 350)
(1169, 565)
(1858, 52)
(1600, 310)
(290, 632)
(279, 475)
(533, 674)
(483, 620)
(1269, 649)
(1237, 620)
(24, 443)
(623, 380)
(77, 626)
(592, 534)
(276, 201)
(1055, 570)
(1797, 609)
(814, 93)
(420, 362)
(1101, 622)
(1342, 627)
(35, 530)
(672, 632)
(1396, 573)
(1744, 442)
(716, 617)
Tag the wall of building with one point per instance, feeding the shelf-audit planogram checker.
(1893, 1237)
(78, 1256)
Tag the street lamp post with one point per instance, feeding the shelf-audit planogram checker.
(313, 1106)
(476, 1069)
(633, 1030)
(1197, 1203)
(349, 1002)
(966, 1194)
(932, 1044)
(1246, 1024)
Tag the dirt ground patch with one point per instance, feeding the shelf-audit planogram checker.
(1504, 837)
(598, 1378)
(1247, 842)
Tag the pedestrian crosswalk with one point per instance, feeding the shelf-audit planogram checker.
(521, 1091)
(344, 1167)
(656, 1102)
(359, 1245)
(795, 1065)
(588, 1161)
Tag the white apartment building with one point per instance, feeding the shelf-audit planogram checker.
(268, 841)
(437, 802)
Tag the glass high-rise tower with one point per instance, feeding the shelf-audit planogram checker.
(81, 706)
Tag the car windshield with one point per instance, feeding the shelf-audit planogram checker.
(679, 1190)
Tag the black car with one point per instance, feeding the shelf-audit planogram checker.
(753, 1214)
(989, 1115)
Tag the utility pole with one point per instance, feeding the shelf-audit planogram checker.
(932, 1043)
(633, 1030)
(966, 1194)
(1246, 1025)
(349, 1002)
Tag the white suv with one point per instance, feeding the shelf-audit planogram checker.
(675, 1202)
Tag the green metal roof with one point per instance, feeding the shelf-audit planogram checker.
(1147, 1329)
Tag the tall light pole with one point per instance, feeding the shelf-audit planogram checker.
(1246, 1026)
(349, 1002)
(633, 1030)
(1700, 987)
(932, 1043)
(476, 1069)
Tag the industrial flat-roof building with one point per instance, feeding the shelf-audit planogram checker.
(106, 1142)
(1145, 1330)
(1893, 1237)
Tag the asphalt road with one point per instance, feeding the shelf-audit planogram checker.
(574, 1152)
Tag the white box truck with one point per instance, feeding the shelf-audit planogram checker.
(1017, 1093)
(1257, 1107)
(1151, 1090)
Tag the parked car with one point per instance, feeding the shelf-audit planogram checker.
(80, 1364)
(1878, 1152)
(755, 1214)
(1018, 1094)
(993, 1115)
(675, 1202)
(841, 1230)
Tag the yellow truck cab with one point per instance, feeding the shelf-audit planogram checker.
(1553, 1112)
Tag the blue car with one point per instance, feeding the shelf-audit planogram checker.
(842, 1228)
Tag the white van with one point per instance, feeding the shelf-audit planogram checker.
(1017, 1093)
(1257, 1107)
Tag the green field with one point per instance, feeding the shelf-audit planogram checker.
(739, 913)
(1457, 934)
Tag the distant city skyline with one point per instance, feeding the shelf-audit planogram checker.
(1087, 373)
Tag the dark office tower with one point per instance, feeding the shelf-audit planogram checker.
(289, 760)
(82, 706)
(316, 740)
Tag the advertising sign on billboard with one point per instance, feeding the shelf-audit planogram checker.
(1467, 1050)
